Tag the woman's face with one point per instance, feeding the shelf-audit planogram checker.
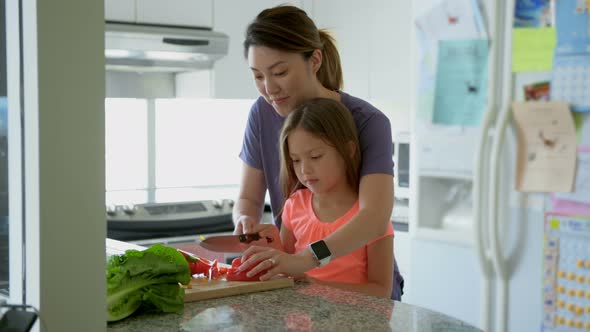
(284, 79)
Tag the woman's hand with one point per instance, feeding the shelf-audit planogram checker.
(278, 262)
(246, 225)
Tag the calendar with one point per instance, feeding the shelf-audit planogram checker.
(571, 64)
(566, 274)
(571, 81)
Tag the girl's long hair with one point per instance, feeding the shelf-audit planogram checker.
(288, 28)
(330, 121)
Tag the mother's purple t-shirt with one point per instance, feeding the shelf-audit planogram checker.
(260, 148)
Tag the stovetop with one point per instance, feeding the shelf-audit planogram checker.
(172, 219)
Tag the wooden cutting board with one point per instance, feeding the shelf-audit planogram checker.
(210, 289)
(221, 288)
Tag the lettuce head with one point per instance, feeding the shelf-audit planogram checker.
(148, 278)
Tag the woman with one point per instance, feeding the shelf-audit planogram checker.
(292, 61)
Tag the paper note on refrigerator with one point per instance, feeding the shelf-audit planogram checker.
(533, 14)
(461, 82)
(532, 49)
(452, 19)
(547, 149)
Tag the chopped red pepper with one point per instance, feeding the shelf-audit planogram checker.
(232, 275)
(198, 265)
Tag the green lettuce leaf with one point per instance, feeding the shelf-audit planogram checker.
(149, 278)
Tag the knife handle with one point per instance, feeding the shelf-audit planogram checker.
(247, 238)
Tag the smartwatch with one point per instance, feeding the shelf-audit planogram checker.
(321, 252)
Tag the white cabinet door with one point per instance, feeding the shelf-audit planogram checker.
(373, 38)
(390, 52)
(349, 23)
(195, 13)
(119, 10)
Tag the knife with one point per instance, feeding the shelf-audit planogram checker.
(231, 243)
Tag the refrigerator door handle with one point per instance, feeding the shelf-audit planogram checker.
(497, 256)
(480, 181)
(479, 217)
(499, 261)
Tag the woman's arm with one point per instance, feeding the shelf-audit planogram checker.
(247, 211)
(379, 268)
(372, 219)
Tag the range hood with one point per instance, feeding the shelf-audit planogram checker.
(154, 48)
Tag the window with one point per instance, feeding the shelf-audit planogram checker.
(188, 149)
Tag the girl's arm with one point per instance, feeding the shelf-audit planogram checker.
(380, 271)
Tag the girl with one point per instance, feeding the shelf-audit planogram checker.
(320, 162)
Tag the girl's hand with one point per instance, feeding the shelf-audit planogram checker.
(278, 262)
(268, 231)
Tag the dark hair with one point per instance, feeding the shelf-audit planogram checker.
(330, 121)
(288, 28)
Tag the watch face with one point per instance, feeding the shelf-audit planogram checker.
(321, 249)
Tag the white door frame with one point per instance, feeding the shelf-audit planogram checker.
(61, 200)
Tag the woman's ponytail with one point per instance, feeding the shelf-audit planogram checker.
(330, 73)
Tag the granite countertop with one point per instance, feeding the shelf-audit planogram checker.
(306, 307)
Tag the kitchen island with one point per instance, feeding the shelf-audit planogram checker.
(306, 307)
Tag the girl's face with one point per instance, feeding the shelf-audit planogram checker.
(318, 165)
(284, 79)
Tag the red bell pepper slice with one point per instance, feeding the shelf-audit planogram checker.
(232, 275)
(198, 265)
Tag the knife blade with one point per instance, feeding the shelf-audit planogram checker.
(231, 243)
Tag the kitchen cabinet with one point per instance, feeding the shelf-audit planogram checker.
(373, 38)
(194, 13)
(119, 10)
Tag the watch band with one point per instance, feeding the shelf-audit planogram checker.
(321, 252)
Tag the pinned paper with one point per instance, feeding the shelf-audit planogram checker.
(532, 49)
(533, 14)
(547, 148)
(571, 207)
(452, 19)
(461, 82)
